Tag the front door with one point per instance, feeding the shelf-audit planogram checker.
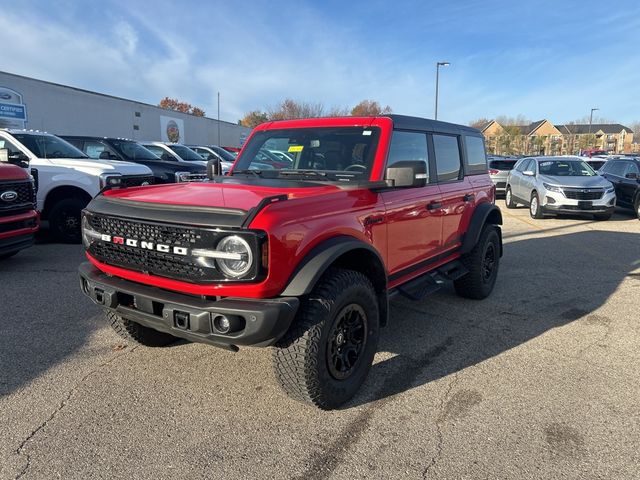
(413, 215)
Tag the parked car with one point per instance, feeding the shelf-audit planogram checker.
(18, 217)
(174, 152)
(303, 258)
(213, 152)
(66, 179)
(499, 168)
(106, 148)
(624, 174)
(559, 185)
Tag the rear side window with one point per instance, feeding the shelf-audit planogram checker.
(447, 157)
(476, 161)
(502, 164)
(616, 168)
(408, 146)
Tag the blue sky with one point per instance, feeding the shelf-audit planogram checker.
(553, 59)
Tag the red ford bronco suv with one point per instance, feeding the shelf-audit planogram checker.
(303, 257)
(18, 217)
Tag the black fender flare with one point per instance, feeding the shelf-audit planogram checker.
(484, 213)
(319, 259)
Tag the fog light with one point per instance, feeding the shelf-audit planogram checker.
(227, 323)
(550, 200)
(222, 324)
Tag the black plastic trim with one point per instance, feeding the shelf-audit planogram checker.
(478, 220)
(318, 260)
(266, 320)
(13, 244)
(168, 213)
(420, 265)
(253, 213)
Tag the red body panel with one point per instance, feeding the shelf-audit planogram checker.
(421, 238)
(12, 172)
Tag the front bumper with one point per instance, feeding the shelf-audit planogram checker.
(555, 202)
(260, 322)
(17, 231)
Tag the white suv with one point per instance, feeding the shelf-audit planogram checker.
(66, 178)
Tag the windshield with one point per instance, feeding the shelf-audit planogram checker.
(226, 156)
(331, 153)
(132, 150)
(566, 168)
(48, 146)
(185, 153)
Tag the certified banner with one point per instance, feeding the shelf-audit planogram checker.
(13, 111)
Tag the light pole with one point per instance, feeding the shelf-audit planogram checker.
(438, 65)
(218, 118)
(590, 122)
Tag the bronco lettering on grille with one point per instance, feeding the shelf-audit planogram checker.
(132, 242)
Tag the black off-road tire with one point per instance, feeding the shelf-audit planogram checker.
(477, 284)
(64, 220)
(508, 198)
(135, 333)
(538, 214)
(303, 359)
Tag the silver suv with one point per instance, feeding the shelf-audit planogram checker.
(559, 185)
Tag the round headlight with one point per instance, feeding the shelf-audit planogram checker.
(239, 259)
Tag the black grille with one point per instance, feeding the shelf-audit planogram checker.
(19, 225)
(136, 180)
(170, 265)
(583, 195)
(25, 199)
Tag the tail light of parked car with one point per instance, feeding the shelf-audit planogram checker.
(493, 171)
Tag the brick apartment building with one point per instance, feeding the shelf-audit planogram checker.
(545, 138)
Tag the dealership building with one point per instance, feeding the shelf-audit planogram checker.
(38, 105)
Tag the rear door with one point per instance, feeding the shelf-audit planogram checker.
(413, 215)
(629, 186)
(614, 171)
(456, 189)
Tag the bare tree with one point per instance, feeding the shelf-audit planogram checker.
(479, 123)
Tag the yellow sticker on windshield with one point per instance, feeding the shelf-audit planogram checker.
(295, 148)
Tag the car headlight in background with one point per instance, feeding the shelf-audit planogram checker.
(110, 180)
(552, 188)
(183, 176)
(609, 190)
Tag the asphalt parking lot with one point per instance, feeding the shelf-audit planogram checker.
(542, 380)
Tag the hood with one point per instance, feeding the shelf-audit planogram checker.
(579, 182)
(12, 172)
(216, 195)
(96, 167)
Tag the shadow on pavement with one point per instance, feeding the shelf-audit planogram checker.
(544, 283)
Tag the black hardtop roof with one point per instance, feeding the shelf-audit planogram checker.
(405, 122)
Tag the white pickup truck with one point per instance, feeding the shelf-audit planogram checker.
(65, 177)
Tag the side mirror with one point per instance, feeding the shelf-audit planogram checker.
(407, 173)
(20, 159)
(529, 173)
(214, 168)
(631, 175)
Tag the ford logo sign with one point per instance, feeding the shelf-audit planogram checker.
(9, 196)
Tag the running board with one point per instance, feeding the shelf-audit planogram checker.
(431, 282)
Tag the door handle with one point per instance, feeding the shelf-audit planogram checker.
(469, 197)
(434, 206)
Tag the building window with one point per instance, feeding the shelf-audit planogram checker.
(137, 114)
(136, 127)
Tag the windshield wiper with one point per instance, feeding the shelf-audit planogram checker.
(310, 173)
(255, 173)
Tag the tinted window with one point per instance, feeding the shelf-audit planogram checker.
(159, 151)
(476, 157)
(408, 146)
(186, 153)
(94, 149)
(133, 150)
(447, 157)
(616, 168)
(631, 168)
(48, 146)
(502, 164)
